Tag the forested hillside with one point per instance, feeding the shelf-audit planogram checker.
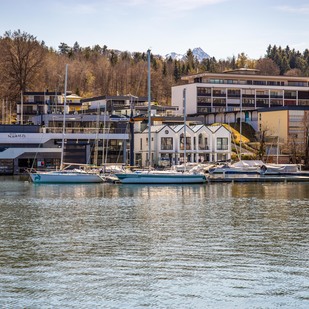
(27, 64)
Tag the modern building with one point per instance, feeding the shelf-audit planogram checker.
(286, 131)
(97, 130)
(233, 95)
(169, 147)
(30, 146)
(43, 103)
(124, 105)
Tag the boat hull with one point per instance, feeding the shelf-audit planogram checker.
(58, 177)
(234, 171)
(132, 178)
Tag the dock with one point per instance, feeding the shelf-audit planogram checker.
(257, 178)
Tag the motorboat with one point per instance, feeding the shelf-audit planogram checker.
(161, 177)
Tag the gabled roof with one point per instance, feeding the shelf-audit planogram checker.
(197, 127)
(155, 129)
(215, 128)
(177, 128)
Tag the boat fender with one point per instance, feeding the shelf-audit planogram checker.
(263, 168)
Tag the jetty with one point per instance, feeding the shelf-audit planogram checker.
(258, 178)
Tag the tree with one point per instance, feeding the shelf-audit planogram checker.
(76, 48)
(261, 138)
(22, 56)
(293, 72)
(64, 48)
(176, 71)
(267, 66)
(306, 139)
(241, 61)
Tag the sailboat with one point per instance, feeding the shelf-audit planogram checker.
(161, 177)
(63, 175)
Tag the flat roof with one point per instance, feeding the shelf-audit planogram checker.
(283, 108)
(229, 75)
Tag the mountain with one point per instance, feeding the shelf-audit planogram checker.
(200, 54)
(197, 52)
(174, 56)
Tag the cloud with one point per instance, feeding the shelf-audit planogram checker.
(72, 7)
(175, 5)
(186, 5)
(292, 9)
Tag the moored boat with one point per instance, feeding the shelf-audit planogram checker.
(241, 167)
(161, 177)
(65, 176)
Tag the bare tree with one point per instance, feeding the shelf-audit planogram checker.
(306, 139)
(262, 137)
(21, 56)
(267, 66)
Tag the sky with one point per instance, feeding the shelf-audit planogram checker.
(222, 28)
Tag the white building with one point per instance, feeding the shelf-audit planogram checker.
(232, 95)
(203, 144)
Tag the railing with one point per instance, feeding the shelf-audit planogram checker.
(85, 130)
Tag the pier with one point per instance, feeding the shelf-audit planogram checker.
(257, 178)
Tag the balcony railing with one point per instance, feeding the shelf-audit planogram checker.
(78, 130)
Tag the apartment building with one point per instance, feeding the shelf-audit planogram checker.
(239, 92)
(170, 144)
(46, 102)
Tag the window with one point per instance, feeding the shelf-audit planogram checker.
(182, 142)
(141, 144)
(166, 143)
(222, 143)
(202, 142)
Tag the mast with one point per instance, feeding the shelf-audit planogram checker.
(240, 124)
(21, 108)
(131, 123)
(64, 109)
(96, 142)
(184, 129)
(149, 111)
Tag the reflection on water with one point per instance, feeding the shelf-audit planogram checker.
(134, 246)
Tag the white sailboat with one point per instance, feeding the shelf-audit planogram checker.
(161, 177)
(62, 175)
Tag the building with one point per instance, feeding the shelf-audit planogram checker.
(96, 130)
(43, 103)
(168, 146)
(124, 105)
(30, 146)
(286, 131)
(233, 95)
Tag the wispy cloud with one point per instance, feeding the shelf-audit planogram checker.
(175, 5)
(70, 7)
(292, 9)
(186, 5)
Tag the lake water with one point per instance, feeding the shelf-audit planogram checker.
(144, 246)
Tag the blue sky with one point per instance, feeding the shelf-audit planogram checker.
(222, 28)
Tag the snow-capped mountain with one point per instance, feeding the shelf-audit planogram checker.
(175, 56)
(197, 52)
